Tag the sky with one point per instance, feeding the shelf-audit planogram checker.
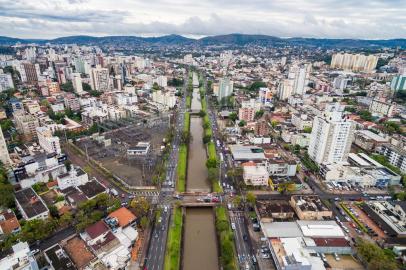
(363, 19)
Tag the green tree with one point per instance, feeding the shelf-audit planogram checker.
(242, 123)
(259, 114)
(233, 116)
(86, 87)
(140, 206)
(251, 198)
(365, 115)
(67, 87)
(144, 222)
(256, 85)
(307, 130)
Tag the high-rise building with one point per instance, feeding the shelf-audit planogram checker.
(47, 141)
(331, 136)
(6, 81)
(26, 124)
(299, 75)
(398, 83)
(31, 73)
(354, 62)
(4, 156)
(225, 88)
(285, 89)
(265, 96)
(100, 79)
(77, 83)
(248, 110)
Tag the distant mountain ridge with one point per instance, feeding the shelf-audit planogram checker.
(229, 40)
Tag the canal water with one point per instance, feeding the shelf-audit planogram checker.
(200, 244)
(196, 105)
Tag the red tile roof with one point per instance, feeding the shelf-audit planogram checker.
(124, 216)
(97, 229)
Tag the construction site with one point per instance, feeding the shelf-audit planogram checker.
(130, 149)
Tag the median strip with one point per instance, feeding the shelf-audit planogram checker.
(174, 241)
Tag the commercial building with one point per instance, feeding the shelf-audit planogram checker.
(310, 207)
(255, 174)
(31, 205)
(331, 137)
(389, 216)
(47, 141)
(395, 155)
(242, 153)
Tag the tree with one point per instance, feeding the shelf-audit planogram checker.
(211, 163)
(365, 115)
(256, 85)
(307, 130)
(144, 222)
(67, 87)
(140, 206)
(237, 200)
(259, 114)
(375, 257)
(391, 127)
(233, 116)
(6, 125)
(86, 87)
(251, 198)
(202, 113)
(155, 87)
(242, 123)
(66, 219)
(274, 123)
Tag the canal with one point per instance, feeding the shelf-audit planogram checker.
(199, 234)
(200, 243)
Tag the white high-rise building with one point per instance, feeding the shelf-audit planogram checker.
(285, 89)
(6, 82)
(100, 79)
(225, 88)
(47, 141)
(331, 136)
(77, 83)
(4, 156)
(299, 75)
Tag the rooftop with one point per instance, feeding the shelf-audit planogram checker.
(79, 252)
(92, 188)
(30, 202)
(247, 152)
(97, 229)
(59, 259)
(124, 216)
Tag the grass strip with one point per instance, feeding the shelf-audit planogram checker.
(174, 241)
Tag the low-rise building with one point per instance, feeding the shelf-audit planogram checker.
(75, 177)
(274, 210)
(395, 155)
(279, 162)
(382, 107)
(8, 222)
(26, 125)
(31, 205)
(242, 153)
(310, 207)
(18, 257)
(58, 259)
(368, 140)
(255, 174)
(141, 149)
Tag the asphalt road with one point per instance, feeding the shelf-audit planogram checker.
(156, 252)
(244, 247)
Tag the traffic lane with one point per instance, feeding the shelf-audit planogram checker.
(158, 243)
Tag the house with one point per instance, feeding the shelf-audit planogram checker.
(92, 188)
(58, 259)
(274, 210)
(31, 205)
(8, 222)
(124, 217)
(75, 177)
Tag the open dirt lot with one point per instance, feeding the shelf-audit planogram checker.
(136, 171)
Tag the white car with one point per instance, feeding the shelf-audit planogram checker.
(233, 225)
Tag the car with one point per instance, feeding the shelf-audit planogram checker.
(336, 257)
(254, 260)
(159, 219)
(233, 225)
(34, 251)
(265, 256)
(245, 237)
(156, 235)
(229, 206)
(165, 208)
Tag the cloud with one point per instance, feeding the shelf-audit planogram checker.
(286, 18)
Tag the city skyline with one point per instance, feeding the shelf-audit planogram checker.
(320, 19)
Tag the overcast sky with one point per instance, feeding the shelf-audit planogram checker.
(363, 19)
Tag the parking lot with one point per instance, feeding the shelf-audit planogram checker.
(111, 150)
